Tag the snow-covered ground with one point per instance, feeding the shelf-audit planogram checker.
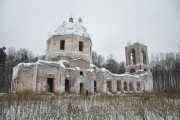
(75, 107)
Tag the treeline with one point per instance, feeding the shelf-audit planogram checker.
(10, 58)
(110, 63)
(165, 68)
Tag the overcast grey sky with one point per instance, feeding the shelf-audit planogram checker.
(111, 23)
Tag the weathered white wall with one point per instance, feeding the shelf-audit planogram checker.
(34, 78)
(25, 78)
(71, 50)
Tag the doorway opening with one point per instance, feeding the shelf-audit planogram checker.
(81, 87)
(66, 85)
(50, 85)
(109, 86)
(118, 85)
(130, 86)
(94, 86)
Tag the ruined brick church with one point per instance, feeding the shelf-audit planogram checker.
(68, 67)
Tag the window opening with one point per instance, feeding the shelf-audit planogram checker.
(81, 73)
(132, 57)
(62, 44)
(80, 46)
(143, 57)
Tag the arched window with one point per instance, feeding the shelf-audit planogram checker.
(132, 58)
(143, 57)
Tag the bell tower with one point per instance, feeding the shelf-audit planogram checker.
(136, 58)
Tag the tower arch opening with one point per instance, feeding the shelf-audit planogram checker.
(143, 57)
(132, 57)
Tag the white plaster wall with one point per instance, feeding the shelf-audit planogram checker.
(71, 50)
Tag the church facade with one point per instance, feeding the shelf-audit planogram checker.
(68, 67)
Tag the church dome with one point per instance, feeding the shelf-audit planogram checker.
(72, 27)
(70, 41)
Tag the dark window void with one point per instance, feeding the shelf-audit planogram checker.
(125, 86)
(66, 85)
(94, 86)
(138, 86)
(62, 44)
(50, 85)
(145, 69)
(81, 87)
(118, 85)
(132, 70)
(143, 57)
(130, 86)
(80, 46)
(81, 73)
(132, 57)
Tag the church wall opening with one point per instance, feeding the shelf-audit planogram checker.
(66, 85)
(81, 87)
(62, 44)
(132, 70)
(109, 86)
(80, 46)
(125, 86)
(118, 85)
(143, 57)
(81, 73)
(50, 85)
(130, 86)
(94, 86)
(138, 86)
(132, 57)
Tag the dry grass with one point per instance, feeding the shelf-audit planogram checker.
(103, 107)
